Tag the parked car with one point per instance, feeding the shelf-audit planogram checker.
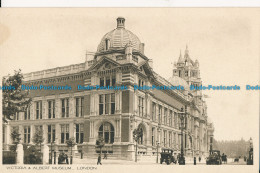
(167, 157)
(214, 158)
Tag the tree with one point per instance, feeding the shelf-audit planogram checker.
(14, 98)
(71, 143)
(15, 135)
(137, 134)
(38, 138)
(100, 143)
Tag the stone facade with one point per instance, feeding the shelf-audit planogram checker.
(114, 114)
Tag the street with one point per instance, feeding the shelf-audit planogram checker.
(91, 161)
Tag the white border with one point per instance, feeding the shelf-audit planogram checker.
(130, 3)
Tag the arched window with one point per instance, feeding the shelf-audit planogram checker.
(106, 130)
(141, 139)
(107, 44)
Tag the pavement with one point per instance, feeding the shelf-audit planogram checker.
(91, 161)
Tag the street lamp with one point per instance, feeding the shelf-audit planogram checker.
(157, 158)
(182, 158)
(53, 142)
(250, 157)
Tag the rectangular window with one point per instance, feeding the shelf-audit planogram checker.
(79, 133)
(175, 120)
(165, 116)
(170, 118)
(153, 142)
(79, 106)
(113, 105)
(65, 107)
(108, 81)
(153, 111)
(174, 140)
(113, 81)
(102, 81)
(16, 116)
(39, 110)
(160, 114)
(27, 114)
(64, 133)
(51, 133)
(170, 139)
(27, 134)
(51, 109)
(141, 106)
(164, 138)
(101, 104)
(107, 104)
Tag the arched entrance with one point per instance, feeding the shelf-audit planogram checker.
(142, 139)
(106, 130)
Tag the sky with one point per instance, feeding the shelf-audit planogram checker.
(224, 41)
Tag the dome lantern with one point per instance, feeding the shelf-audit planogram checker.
(120, 22)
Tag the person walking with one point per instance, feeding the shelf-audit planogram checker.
(105, 156)
(199, 158)
(99, 160)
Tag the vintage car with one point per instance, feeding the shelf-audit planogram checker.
(167, 156)
(214, 158)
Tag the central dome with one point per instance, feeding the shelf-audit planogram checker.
(118, 38)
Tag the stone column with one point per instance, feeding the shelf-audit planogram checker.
(44, 109)
(72, 112)
(92, 107)
(45, 152)
(57, 133)
(57, 107)
(20, 154)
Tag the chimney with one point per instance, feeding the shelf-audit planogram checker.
(120, 22)
(141, 47)
(89, 56)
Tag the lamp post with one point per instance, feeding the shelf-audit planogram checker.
(157, 158)
(250, 157)
(182, 158)
(53, 142)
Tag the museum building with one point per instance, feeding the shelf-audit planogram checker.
(114, 114)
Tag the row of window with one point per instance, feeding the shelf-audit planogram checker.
(51, 133)
(172, 139)
(170, 120)
(106, 106)
(65, 106)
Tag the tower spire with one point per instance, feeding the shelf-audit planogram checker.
(186, 51)
(180, 57)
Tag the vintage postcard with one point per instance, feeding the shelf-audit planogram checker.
(130, 89)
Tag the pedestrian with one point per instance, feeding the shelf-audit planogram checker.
(105, 156)
(67, 160)
(194, 160)
(199, 158)
(99, 160)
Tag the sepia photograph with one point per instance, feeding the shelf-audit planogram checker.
(84, 89)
